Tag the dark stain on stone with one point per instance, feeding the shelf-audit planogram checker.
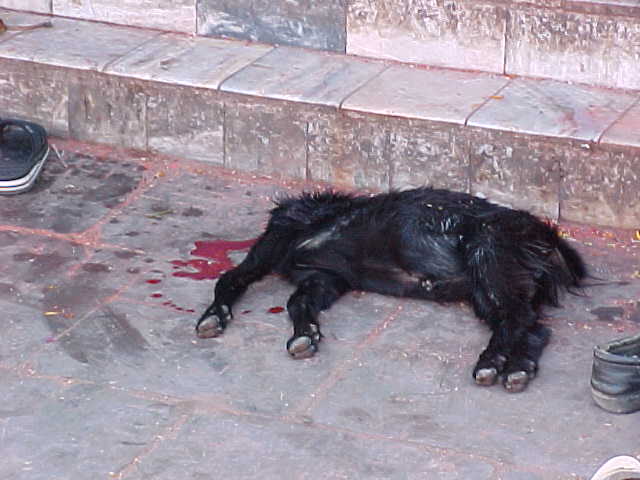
(149, 260)
(96, 268)
(608, 314)
(114, 220)
(192, 212)
(124, 336)
(132, 234)
(124, 254)
(24, 257)
(160, 207)
(65, 218)
(115, 186)
(40, 265)
(356, 413)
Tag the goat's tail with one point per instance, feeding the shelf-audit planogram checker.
(574, 267)
(561, 269)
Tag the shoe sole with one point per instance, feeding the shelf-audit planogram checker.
(624, 403)
(12, 187)
(622, 467)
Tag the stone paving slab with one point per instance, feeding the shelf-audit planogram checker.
(190, 61)
(79, 442)
(104, 378)
(315, 453)
(425, 94)
(553, 109)
(625, 131)
(74, 44)
(303, 76)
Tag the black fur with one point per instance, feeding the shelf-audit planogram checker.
(424, 243)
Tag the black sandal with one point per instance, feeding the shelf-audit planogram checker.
(23, 151)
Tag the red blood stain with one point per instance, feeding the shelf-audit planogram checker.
(156, 295)
(154, 281)
(244, 312)
(276, 310)
(217, 255)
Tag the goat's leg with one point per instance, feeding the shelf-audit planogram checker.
(501, 295)
(232, 284)
(522, 365)
(315, 293)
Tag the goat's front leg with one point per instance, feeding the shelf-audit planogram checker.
(314, 294)
(232, 284)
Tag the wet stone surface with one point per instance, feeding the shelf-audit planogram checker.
(104, 377)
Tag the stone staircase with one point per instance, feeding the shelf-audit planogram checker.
(534, 104)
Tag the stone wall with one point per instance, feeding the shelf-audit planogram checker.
(587, 41)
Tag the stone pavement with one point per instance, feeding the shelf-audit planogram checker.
(103, 274)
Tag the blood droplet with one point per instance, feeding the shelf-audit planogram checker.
(276, 310)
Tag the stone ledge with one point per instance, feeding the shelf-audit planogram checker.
(561, 150)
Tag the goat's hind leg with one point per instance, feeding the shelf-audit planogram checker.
(233, 283)
(315, 293)
(522, 366)
(502, 295)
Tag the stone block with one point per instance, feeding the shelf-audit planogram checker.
(592, 49)
(38, 93)
(266, 137)
(40, 6)
(551, 108)
(441, 95)
(303, 76)
(302, 23)
(515, 170)
(600, 186)
(349, 150)
(423, 153)
(447, 33)
(604, 7)
(191, 61)
(74, 44)
(186, 122)
(108, 109)
(174, 15)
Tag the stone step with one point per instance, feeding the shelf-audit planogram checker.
(567, 151)
(587, 41)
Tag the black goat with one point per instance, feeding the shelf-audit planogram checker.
(423, 243)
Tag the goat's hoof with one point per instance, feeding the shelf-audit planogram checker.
(486, 376)
(302, 347)
(516, 382)
(210, 327)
